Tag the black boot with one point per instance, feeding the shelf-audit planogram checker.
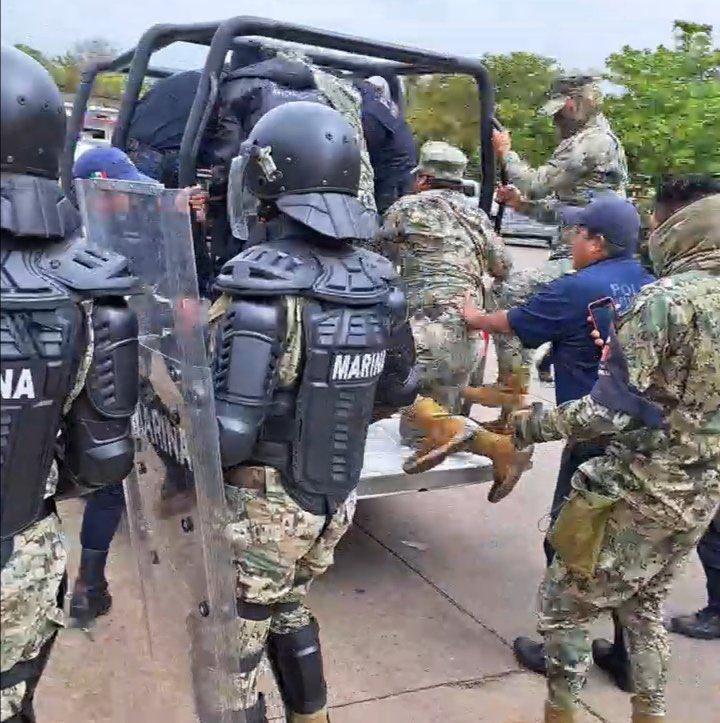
(90, 596)
(703, 625)
(530, 655)
(544, 368)
(613, 658)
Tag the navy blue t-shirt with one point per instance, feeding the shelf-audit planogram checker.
(558, 313)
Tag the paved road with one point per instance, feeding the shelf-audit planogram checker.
(417, 618)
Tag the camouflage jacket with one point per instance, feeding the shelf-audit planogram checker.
(443, 247)
(344, 98)
(591, 160)
(671, 343)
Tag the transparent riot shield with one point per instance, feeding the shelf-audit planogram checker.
(175, 497)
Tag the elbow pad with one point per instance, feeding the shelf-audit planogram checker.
(100, 448)
(397, 304)
(402, 394)
(399, 382)
(248, 345)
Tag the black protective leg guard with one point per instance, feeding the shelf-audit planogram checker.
(297, 661)
(90, 596)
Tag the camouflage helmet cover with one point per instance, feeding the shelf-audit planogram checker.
(571, 86)
(442, 161)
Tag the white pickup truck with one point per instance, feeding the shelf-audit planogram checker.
(97, 127)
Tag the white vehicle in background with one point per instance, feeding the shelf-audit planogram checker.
(97, 127)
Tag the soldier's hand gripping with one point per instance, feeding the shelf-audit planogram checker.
(524, 424)
(199, 200)
(470, 312)
(510, 196)
(501, 143)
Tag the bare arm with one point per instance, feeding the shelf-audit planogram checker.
(495, 323)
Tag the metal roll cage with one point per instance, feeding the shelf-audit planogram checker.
(357, 56)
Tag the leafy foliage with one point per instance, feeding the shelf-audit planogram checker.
(66, 69)
(445, 107)
(669, 115)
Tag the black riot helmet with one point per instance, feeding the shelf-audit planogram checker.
(33, 117)
(305, 157)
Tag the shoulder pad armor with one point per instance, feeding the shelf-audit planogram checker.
(342, 274)
(90, 270)
(268, 269)
(382, 266)
(35, 207)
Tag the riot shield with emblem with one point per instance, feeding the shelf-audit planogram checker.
(175, 495)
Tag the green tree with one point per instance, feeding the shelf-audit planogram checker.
(668, 116)
(36, 54)
(445, 107)
(522, 81)
(66, 69)
(688, 34)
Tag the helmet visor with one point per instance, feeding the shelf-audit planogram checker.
(241, 204)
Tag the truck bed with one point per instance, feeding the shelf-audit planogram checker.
(382, 472)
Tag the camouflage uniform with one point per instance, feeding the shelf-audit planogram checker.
(655, 490)
(443, 248)
(32, 587)
(344, 98)
(590, 161)
(279, 547)
(519, 288)
(31, 595)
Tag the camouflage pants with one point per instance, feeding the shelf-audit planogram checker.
(29, 612)
(638, 561)
(446, 357)
(515, 291)
(279, 549)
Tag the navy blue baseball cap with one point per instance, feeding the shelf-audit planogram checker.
(108, 162)
(612, 217)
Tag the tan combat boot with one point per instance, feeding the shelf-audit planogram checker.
(640, 716)
(441, 434)
(320, 716)
(508, 462)
(553, 714)
(507, 392)
(445, 433)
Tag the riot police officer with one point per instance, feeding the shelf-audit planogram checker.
(69, 373)
(390, 143)
(299, 348)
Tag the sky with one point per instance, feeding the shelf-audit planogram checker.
(578, 33)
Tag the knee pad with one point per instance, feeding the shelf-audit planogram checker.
(297, 661)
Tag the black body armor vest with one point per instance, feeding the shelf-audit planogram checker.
(43, 340)
(313, 431)
(42, 335)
